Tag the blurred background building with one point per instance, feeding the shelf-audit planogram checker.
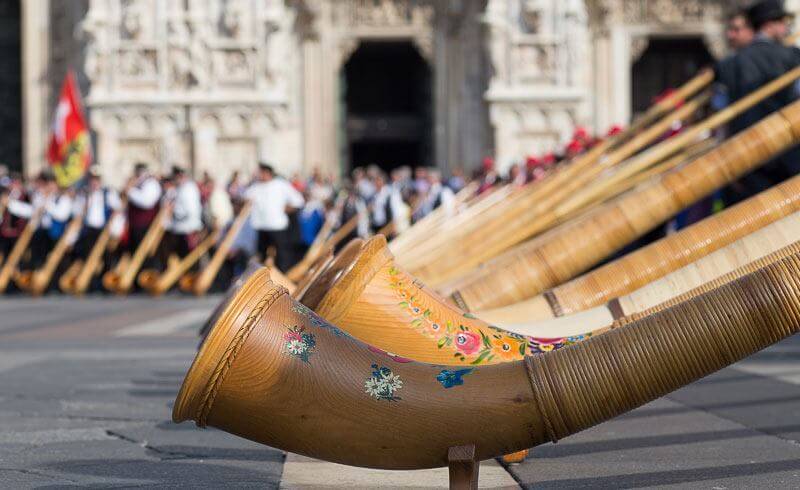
(219, 84)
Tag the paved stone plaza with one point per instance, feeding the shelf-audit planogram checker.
(86, 389)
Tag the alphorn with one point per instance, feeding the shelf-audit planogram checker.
(277, 276)
(9, 269)
(661, 257)
(317, 248)
(201, 282)
(450, 266)
(121, 279)
(36, 282)
(157, 283)
(77, 279)
(566, 251)
(270, 366)
(763, 247)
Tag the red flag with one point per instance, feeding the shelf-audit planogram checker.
(70, 150)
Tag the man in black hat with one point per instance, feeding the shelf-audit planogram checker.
(764, 60)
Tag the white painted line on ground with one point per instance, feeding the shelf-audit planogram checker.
(304, 473)
(165, 325)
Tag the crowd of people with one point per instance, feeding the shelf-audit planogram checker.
(285, 215)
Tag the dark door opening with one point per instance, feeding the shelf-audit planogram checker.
(667, 63)
(387, 113)
(10, 85)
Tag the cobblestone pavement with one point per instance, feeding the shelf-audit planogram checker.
(86, 388)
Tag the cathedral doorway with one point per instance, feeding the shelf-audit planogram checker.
(666, 63)
(10, 85)
(387, 106)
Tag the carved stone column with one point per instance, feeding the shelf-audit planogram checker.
(35, 92)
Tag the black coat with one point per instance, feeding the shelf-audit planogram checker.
(745, 72)
(752, 68)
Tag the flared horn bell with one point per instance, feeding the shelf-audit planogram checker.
(274, 372)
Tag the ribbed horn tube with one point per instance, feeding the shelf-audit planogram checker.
(768, 245)
(274, 372)
(649, 263)
(566, 251)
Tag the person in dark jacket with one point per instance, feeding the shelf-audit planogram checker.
(764, 60)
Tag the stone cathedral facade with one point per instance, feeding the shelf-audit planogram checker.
(220, 84)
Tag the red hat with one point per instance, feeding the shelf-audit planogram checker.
(532, 162)
(574, 146)
(580, 133)
(488, 163)
(615, 130)
(549, 158)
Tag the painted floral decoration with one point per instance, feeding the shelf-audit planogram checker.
(450, 378)
(383, 384)
(298, 343)
(470, 343)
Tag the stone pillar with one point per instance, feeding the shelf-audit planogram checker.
(35, 93)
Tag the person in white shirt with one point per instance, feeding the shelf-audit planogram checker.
(272, 198)
(56, 206)
(438, 195)
(98, 204)
(187, 215)
(144, 194)
(381, 209)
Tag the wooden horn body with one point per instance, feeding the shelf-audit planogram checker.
(68, 280)
(157, 283)
(94, 262)
(321, 264)
(121, 281)
(37, 282)
(374, 300)
(276, 373)
(649, 263)
(567, 250)
(200, 283)
(759, 249)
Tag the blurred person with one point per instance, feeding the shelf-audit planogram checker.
(98, 203)
(143, 192)
(381, 209)
(752, 67)
(186, 220)
(16, 211)
(56, 206)
(516, 176)
(739, 32)
(236, 187)
(206, 187)
(273, 198)
(456, 182)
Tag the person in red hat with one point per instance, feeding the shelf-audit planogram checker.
(487, 176)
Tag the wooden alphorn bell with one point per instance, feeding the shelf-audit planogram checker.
(36, 282)
(163, 282)
(121, 279)
(9, 269)
(199, 283)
